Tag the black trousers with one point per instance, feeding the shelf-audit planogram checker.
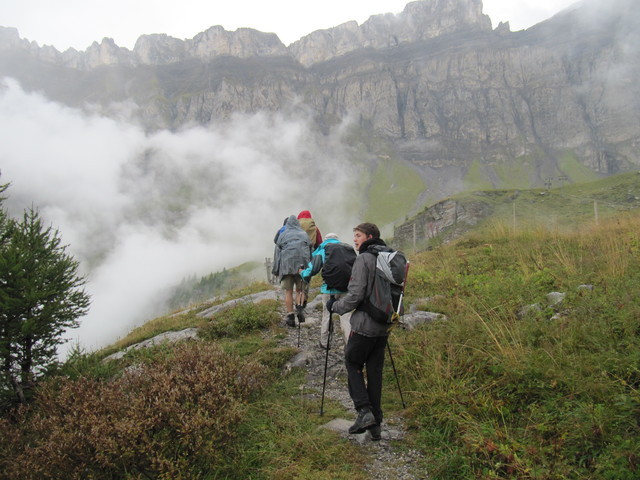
(368, 352)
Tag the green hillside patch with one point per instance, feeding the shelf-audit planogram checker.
(477, 177)
(574, 170)
(192, 291)
(393, 191)
(620, 190)
(524, 173)
(564, 208)
(517, 174)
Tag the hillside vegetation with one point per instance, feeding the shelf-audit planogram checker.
(515, 383)
(513, 386)
(561, 207)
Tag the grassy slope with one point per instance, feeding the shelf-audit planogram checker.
(562, 208)
(393, 190)
(527, 172)
(550, 395)
(570, 206)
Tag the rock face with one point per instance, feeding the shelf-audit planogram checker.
(445, 220)
(467, 106)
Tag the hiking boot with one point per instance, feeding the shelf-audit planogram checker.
(376, 432)
(364, 420)
(291, 319)
(300, 313)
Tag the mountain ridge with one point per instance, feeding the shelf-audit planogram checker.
(463, 105)
(417, 21)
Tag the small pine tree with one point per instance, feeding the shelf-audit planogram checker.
(41, 295)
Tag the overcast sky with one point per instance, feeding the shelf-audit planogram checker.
(78, 23)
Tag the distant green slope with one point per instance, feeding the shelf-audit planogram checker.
(571, 205)
(528, 171)
(192, 290)
(393, 191)
(563, 208)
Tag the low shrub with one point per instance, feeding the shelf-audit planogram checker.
(175, 418)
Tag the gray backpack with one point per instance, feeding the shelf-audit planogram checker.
(386, 291)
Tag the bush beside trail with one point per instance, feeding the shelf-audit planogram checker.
(173, 418)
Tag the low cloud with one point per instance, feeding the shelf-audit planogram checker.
(143, 211)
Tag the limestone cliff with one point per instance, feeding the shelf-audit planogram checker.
(465, 105)
(418, 21)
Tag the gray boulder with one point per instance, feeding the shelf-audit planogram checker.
(412, 320)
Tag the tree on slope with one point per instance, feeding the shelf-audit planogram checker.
(41, 296)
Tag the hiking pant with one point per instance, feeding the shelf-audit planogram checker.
(368, 352)
(345, 321)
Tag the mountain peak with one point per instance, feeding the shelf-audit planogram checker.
(420, 20)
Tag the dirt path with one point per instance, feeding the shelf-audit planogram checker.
(387, 460)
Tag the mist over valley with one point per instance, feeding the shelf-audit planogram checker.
(141, 211)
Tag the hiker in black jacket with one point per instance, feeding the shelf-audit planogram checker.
(368, 339)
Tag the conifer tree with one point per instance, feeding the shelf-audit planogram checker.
(41, 295)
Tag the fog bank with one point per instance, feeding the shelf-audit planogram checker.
(142, 211)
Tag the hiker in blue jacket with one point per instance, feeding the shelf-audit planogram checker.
(318, 258)
(292, 252)
(368, 340)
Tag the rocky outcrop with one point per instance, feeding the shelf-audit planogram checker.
(441, 222)
(157, 49)
(243, 43)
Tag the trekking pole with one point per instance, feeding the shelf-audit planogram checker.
(395, 318)
(396, 374)
(299, 302)
(326, 359)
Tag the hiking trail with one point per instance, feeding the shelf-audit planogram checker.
(387, 460)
